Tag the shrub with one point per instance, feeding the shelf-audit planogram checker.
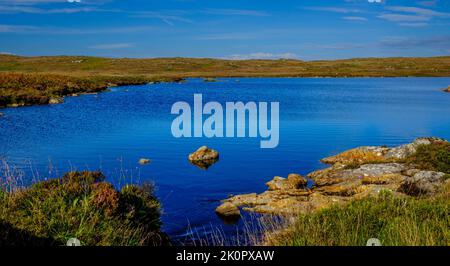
(81, 205)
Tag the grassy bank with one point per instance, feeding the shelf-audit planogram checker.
(20, 89)
(197, 67)
(81, 205)
(394, 221)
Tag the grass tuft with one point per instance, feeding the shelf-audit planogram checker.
(81, 205)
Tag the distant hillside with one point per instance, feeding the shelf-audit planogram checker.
(193, 67)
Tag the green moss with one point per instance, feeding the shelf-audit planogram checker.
(81, 205)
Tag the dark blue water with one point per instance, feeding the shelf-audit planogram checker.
(318, 117)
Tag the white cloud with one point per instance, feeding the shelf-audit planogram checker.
(112, 46)
(333, 9)
(235, 12)
(410, 14)
(404, 18)
(352, 18)
(65, 31)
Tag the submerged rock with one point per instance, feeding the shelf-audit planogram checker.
(204, 157)
(209, 80)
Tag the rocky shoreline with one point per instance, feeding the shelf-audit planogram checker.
(354, 174)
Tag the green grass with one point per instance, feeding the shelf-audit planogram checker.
(394, 221)
(433, 157)
(81, 205)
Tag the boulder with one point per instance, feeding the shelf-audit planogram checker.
(144, 161)
(447, 89)
(55, 100)
(294, 181)
(204, 157)
(422, 183)
(228, 209)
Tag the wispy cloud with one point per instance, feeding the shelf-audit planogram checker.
(441, 43)
(112, 46)
(418, 11)
(411, 16)
(404, 18)
(235, 12)
(65, 30)
(354, 18)
(343, 10)
(430, 3)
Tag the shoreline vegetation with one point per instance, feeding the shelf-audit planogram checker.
(78, 205)
(46, 80)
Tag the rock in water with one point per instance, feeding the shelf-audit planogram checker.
(144, 161)
(204, 157)
(228, 209)
(447, 90)
(209, 80)
(55, 100)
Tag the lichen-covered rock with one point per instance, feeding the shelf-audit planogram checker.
(354, 174)
(294, 181)
(228, 209)
(422, 183)
(378, 169)
(382, 179)
(358, 156)
(403, 151)
(204, 157)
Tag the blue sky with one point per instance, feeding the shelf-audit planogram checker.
(235, 29)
